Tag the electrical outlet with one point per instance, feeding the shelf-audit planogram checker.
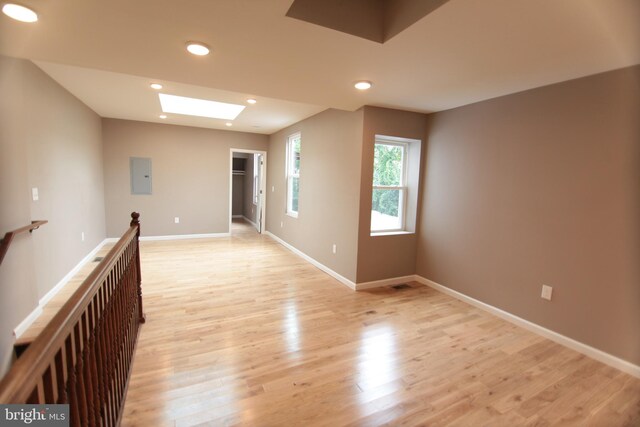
(546, 292)
(335, 248)
(273, 188)
(281, 224)
(82, 236)
(176, 220)
(34, 194)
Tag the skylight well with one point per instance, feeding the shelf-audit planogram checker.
(199, 107)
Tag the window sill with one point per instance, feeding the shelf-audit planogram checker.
(390, 233)
(292, 214)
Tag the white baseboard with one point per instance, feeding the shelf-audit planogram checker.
(174, 237)
(28, 321)
(24, 325)
(312, 261)
(585, 349)
(183, 237)
(385, 282)
(53, 291)
(250, 222)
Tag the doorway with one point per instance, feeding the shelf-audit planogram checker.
(247, 190)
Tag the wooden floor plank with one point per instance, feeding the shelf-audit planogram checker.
(240, 331)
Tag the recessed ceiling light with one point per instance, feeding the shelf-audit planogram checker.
(198, 48)
(163, 116)
(199, 107)
(19, 13)
(251, 101)
(229, 124)
(363, 85)
(156, 86)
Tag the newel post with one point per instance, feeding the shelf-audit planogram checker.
(135, 222)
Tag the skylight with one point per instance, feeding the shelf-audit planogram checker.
(199, 107)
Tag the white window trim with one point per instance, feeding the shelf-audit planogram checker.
(289, 177)
(404, 188)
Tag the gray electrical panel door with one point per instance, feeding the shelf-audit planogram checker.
(140, 175)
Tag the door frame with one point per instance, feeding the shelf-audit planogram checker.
(263, 185)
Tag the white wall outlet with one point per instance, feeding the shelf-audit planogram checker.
(281, 224)
(34, 194)
(334, 248)
(176, 220)
(273, 188)
(546, 292)
(82, 236)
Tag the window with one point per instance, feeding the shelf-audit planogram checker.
(389, 185)
(293, 174)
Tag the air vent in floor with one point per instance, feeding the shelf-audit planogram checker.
(98, 259)
(400, 287)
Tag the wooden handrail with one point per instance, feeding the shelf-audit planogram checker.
(8, 237)
(83, 356)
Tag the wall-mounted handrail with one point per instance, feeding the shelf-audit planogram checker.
(8, 237)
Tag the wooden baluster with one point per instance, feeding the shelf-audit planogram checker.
(72, 389)
(135, 221)
(117, 332)
(61, 376)
(95, 360)
(100, 355)
(93, 398)
(114, 344)
(108, 336)
(48, 386)
(79, 370)
(37, 395)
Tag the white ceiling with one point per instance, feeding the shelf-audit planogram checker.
(123, 96)
(106, 53)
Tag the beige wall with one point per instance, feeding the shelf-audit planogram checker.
(329, 189)
(191, 172)
(49, 140)
(383, 257)
(542, 187)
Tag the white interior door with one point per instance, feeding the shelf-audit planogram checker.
(259, 159)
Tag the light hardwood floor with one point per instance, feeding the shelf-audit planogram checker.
(240, 331)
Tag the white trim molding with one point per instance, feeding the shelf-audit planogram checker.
(385, 282)
(585, 349)
(249, 221)
(313, 262)
(28, 321)
(183, 237)
(53, 291)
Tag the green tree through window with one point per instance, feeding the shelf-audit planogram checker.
(387, 172)
(293, 173)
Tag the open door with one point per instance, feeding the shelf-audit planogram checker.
(249, 168)
(258, 178)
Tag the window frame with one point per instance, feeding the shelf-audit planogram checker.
(403, 187)
(290, 174)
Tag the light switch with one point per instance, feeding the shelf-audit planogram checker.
(34, 194)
